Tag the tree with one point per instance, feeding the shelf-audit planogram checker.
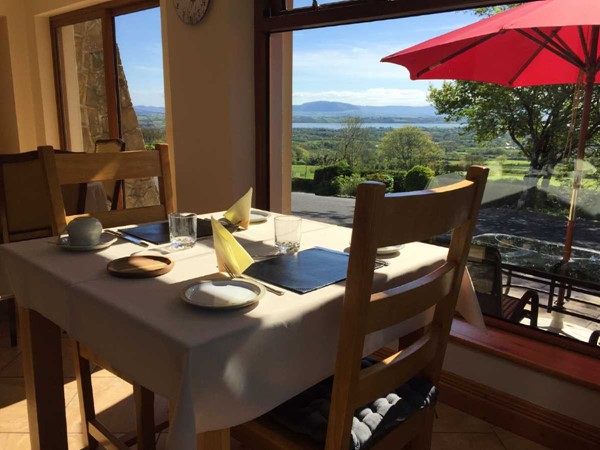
(406, 147)
(537, 118)
(353, 147)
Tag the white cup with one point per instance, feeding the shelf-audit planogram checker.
(84, 231)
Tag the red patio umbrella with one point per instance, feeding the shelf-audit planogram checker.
(538, 43)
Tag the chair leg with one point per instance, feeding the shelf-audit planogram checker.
(85, 394)
(12, 321)
(144, 412)
(423, 440)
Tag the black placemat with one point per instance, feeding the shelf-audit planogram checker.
(158, 232)
(304, 271)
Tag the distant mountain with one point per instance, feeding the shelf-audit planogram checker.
(338, 109)
(144, 110)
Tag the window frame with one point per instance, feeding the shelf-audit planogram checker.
(106, 12)
(279, 16)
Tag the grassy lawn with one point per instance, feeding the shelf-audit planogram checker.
(303, 171)
(510, 169)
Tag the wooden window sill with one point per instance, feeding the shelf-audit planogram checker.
(544, 357)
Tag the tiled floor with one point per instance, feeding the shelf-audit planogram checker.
(453, 430)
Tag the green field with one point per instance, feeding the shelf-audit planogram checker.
(303, 171)
(510, 169)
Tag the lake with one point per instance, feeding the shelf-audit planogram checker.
(337, 126)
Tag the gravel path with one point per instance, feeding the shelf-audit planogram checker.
(536, 225)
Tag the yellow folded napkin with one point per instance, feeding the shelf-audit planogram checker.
(239, 213)
(229, 251)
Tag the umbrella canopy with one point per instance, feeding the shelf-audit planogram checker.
(538, 43)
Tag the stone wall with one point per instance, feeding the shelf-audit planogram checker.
(94, 114)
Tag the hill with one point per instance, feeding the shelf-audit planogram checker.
(338, 109)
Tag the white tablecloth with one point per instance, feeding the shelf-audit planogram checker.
(220, 368)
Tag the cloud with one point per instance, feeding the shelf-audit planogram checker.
(368, 97)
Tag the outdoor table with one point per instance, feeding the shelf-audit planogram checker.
(537, 260)
(218, 369)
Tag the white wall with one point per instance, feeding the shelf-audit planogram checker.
(544, 390)
(210, 103)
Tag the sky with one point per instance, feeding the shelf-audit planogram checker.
(333, 64)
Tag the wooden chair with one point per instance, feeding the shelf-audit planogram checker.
(115, 189)
(88, 167)
(485, 267)
(381, 220)
(22, 191)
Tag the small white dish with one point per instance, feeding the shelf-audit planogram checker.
(392, 249)
(257, 216)
(106, 240)
(223, 294)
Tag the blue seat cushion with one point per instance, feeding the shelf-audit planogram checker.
(308, 412)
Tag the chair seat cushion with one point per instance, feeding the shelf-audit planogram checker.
(308, 412)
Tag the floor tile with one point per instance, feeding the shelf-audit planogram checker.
(514, 442)
(466, 441)
(20, 441)
(13, 405)
(452, 420)
(113, 400)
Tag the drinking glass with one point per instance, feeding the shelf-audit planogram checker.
(287, 234)
(182, 230)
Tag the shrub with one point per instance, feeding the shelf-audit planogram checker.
(302, 185)
(417, 178)
(323, 179)
(399, 177)
(384, 178)
(346, 185)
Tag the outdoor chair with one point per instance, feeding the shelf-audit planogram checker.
(90, 167)
(22, 191)
(387, 403)
(115, 190)
(485, 267)
(594, 337)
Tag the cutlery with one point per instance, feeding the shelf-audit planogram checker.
(126, 237)
(242, 276)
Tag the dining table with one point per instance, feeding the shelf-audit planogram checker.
(217, 368)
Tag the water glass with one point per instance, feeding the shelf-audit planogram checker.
(182, 230)
(287, 234)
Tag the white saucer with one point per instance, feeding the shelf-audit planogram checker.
(389, 250)
(106, 240)
(223, 294)
(257, 216)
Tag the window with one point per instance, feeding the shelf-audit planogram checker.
(108, 68)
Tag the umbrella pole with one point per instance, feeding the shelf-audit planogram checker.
(585, 119)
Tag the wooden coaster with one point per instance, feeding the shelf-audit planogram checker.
(143, 266)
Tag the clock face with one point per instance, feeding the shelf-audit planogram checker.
(190, 11)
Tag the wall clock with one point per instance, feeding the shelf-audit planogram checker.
(191, 11)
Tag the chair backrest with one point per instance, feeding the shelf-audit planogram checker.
(485, 268)
(22, 191)
(381, 220)
(60, 170)
(109, 146)
(113, 189)
(24, 196)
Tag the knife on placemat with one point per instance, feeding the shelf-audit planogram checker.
(126, 237)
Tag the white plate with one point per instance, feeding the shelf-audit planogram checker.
(106, 240)
(223, 294)
(389, 250)
(257, 216)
